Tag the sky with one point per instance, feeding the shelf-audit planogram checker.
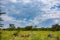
(42, 13)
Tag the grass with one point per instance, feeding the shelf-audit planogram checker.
(34, 35)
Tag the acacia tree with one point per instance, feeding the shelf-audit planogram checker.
(56, 27)
(28, 28)
(11, 26)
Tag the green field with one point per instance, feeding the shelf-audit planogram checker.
(34, 35)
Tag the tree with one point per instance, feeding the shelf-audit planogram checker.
(18, 28)
(28, 27)
(35, 26)
(56, 27)
(11, 26)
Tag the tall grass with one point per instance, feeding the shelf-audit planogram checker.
(34, 35)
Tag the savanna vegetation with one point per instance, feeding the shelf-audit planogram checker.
(55, 27)
(30, 33)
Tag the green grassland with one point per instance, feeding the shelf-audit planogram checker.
(34, 35)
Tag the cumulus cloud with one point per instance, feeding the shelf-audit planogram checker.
(7, 18)
(57, 21)
(51, 15)
(31, 12)
(13, 0)
(26, 1)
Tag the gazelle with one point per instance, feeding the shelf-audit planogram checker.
(25, 35)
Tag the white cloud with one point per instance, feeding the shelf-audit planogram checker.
(7, 18)
(36, 21)
(49, 4)
(13, 1)
(17, 1)
(57, 21)
(26, 1)
(51, 15)
(2, 6)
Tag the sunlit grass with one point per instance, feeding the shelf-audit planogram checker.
(34, 35)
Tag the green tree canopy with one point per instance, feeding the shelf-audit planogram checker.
(56, 27)
(28, 27)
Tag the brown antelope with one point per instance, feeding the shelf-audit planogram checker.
(26, 35)
(50, 35)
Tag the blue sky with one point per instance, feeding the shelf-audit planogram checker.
(42, 13)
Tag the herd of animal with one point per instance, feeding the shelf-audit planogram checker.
(21, 35)
(29, 35)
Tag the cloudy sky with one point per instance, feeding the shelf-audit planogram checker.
(42, 13)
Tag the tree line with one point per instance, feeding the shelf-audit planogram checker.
(55, 27)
